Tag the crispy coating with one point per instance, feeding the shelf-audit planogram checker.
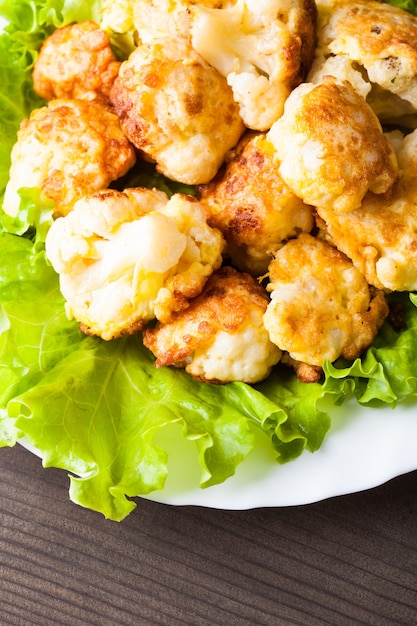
(381, 236)
(76, 61)
(321, 306)
(253, 207)
(305, 373)
(220, 337)
(177, 110)
(331, 147)
(263, 47)
(125, 258)
(67, 149)
(378, 37)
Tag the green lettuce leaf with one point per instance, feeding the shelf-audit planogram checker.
(303, 424)
(96, 412)
(407, 5)
(29, 22)
(34, 331)
(16, 101)
(34, 217)
(76, 11)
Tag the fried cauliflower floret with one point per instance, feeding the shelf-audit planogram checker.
(76, 61)
(67, 149)
(380, 39)
(381, 236)
(321, 306)
(220, 337)
(124, 258)
(331, 147)
(252, 206)
(263, 47)
(177, 110)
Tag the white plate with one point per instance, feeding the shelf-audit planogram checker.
(364, 448)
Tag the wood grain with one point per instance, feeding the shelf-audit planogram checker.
(345, 561)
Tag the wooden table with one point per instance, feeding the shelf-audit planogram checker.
(345, 561)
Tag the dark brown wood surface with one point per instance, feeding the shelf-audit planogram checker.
(345, 561)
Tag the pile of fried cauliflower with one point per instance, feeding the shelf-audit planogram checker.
(295, 122)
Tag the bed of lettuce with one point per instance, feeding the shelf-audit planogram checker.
(93, 408)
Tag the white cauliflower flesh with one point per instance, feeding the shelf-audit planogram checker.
(220, 337)
(117, 16)
(380, 40)
(380, 237)
(156, 18)
(67, 149)
(321, 306)
(123, 257)
(262, 47)
(342, 68)
(150, 19)
(177, 110)
(330, 146)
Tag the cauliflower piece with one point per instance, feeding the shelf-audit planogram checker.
(124, 258)
(380, 39)
(391, 110)
(220, 337)
(380, 237)
(67, 149)
(202, 255)
(342, 68)
(150, 19)
(253, 207)
(321, 306)
(154, 19)
(76, 61)
(263, 47)
(177, 110)
(117, 16)
(331, 147)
